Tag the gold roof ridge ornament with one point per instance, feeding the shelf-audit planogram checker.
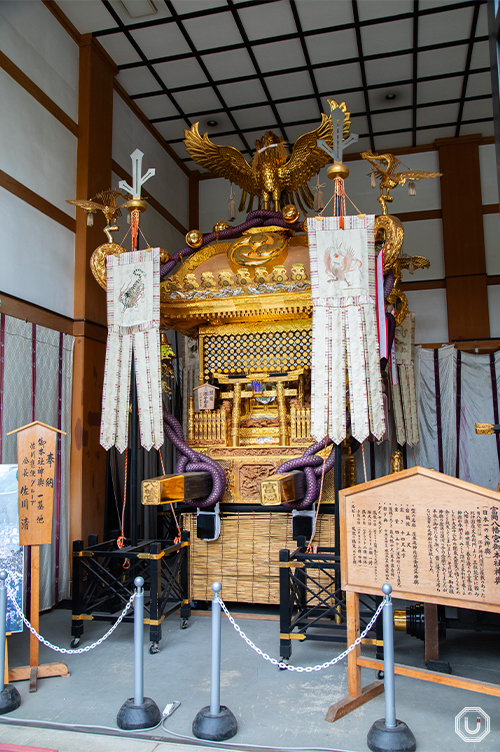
(390, 178)
(273, 175)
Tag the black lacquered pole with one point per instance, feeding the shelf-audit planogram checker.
(337, 482)
(132, 485)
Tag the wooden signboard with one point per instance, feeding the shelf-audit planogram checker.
(36, 460)
(436, 540)
(433, 537)
(204, 397)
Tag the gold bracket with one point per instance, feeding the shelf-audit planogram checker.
(484, 428)
(292, 636)
(151, 556)
(82, 617)
(154, 622)
(83, 553)
(183, 603)
(368, 641)
(184, 543)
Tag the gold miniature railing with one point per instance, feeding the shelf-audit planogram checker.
(209, 426)
(300, 423)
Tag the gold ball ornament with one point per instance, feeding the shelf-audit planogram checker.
(337, 170)
(290, 213)
(194, 238)
(218, 227)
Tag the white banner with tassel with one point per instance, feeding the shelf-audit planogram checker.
(133, 300)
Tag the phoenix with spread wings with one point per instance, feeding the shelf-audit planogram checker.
(273, 174)
(390, 177)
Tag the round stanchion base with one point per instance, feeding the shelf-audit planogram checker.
(215, 728)
(132, 717)
(383, 739)
(10, 699)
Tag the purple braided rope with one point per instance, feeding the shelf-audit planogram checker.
(189, 461)
(388, 283)
(312, 466)
(254, 219)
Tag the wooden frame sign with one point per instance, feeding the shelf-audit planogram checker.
(36, 460)
(435, 538)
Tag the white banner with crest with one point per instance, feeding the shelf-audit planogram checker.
(133, 299)
(345, 354)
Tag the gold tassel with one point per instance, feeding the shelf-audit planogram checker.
(411, 188)
(373, 181)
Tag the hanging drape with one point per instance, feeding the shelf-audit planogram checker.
(455, 390)
(36, 375)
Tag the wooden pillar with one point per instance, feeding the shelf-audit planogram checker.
(463, 237)
(94, 159)
(194, 200)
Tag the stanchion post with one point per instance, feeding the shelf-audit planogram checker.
(10, 699)
(389, 734)
(215, 722)
(138, 712)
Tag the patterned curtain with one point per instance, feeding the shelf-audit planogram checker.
(36, 376)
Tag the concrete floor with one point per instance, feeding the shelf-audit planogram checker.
(274, 708)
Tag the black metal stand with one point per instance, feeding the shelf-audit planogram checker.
(310, 600)
(102, 587)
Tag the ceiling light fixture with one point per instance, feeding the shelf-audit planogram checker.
(139, 8)
(391, 96)
(212, 123)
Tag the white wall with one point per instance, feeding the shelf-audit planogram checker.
(170, 185)
(37, 252)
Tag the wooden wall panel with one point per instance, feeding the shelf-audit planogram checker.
(463, 238)
(94, 167)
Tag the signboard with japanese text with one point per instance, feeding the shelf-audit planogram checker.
(11, 553)
(432, 537)
(204, 397)
(36, 459)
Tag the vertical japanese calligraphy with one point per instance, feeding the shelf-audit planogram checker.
(427, 534)
(36, 456)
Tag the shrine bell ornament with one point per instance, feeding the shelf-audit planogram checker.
(344, 330)
(133, 303)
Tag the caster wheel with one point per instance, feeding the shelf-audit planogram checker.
(285, 661)
(154, 648)
(380, 675)
(75, 642)
(184, 624)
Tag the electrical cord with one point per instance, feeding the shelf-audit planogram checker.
(188, 740)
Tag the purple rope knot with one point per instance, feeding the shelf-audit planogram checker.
(189, 461)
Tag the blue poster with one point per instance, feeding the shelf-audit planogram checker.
(11, 553)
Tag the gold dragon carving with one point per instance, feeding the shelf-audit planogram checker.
(273, 174)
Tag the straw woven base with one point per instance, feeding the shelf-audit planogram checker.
(245, 558)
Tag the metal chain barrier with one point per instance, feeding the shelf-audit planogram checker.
(64, 650)
(300, 669)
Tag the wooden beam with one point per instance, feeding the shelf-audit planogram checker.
(449, 680)
(176, 487)
(150, 127)
(94, 167)
(35, 314)
(124, 175)
(37, 202)
(41, 97)
(63, 19)
(463, 238)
